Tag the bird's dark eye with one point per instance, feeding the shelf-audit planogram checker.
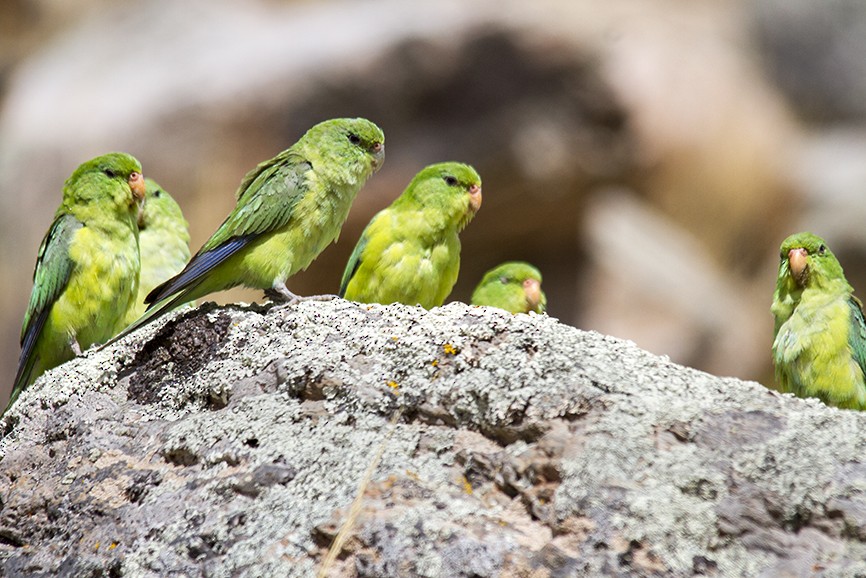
(449, 180)
(157, 193)
(109, 173)
(822, 249)
(354, 139)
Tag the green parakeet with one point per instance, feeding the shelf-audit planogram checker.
(819, 346)
(288, 210)
(410, 252)
(87, 268)
(514, 286)
(163, 236)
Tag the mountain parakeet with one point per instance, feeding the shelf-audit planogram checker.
(410, 252)
(514, 286)
(163, 237)
(819, 346)
(288, 210)
(87, 268)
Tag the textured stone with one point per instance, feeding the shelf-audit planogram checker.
(231, 442)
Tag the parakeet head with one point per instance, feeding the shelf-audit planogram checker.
(514, 286)
(159, 207)
(348, 142)
(453, 189)
(114, 176)
(806, 262)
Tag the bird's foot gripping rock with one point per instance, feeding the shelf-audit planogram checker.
(281, 294)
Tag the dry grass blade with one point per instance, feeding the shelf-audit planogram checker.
(355, 509)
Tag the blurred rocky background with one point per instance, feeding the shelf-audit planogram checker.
(648, 157)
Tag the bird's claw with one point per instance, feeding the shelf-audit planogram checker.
(283, 295)
(326, 297)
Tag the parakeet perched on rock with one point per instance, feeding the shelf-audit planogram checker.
(819, 348)
(514, 286)
(288, 210)
(87, 269)
(410, 252)
(163, 237)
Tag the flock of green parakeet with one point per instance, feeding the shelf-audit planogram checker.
(117, 257)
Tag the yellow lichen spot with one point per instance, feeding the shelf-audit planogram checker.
(449, 349)
(394, 385)
(96, 547)
(395, 338)
(435, 363)
(467, 487)
(112, 546)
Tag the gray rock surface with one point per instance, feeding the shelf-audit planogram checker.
(231, 441)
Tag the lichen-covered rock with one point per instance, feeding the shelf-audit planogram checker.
(232, 441)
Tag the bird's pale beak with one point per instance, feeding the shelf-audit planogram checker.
(799, 264)
(136, 183)
(475, 197)
(532, 289)
(378, 151)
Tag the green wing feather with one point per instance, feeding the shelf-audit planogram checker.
(857, 335)
(52, 272)
(354, 262)
(266, 199)
(266, 205)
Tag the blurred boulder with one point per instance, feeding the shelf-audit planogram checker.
(653, 281)
(816, 53)
(833, 180)
(661, 98)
